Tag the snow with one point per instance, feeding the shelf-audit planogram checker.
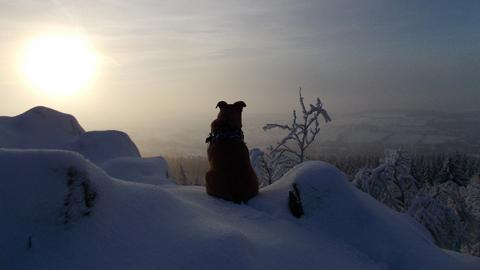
(152, 170)
(100, 146)
(356, 219)
(143, 226)
(39, 127)
(137, 219)
(44, 128)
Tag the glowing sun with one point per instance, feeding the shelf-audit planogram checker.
(59, 65)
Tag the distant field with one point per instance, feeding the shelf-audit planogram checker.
(369, 131)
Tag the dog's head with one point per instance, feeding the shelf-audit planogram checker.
(231, 114)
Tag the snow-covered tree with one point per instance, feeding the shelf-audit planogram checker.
(452, 195)
(440, 220)
(390, 183)
(269, 166)
(403, 186)
(472, 200)
(373, 182)
(442, 196)
(292, 149)
(454, 170)
(257, 159)
(428, 175)
(473, 167)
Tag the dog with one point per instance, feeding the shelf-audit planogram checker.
(231, 176)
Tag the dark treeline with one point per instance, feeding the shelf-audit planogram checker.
(426, 168)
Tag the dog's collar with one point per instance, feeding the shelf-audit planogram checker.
(225, 134)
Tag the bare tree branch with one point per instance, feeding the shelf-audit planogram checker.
(291, 149)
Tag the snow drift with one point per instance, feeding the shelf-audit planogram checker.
(39, 127)
(335, 208)
(63, 206)
(141, 226)
(44, 128)
(141, 170)
(100, 146)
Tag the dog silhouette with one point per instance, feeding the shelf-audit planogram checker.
(231, 176)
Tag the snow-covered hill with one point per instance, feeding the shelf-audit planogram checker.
(45, 128)
(39, 127)
(140, 226)
(59, 210)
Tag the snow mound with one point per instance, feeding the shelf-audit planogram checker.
(39, 127)
(152, 170)
(333, 206)
(139, 226)
(41, 192)
(130, 226)
(44, 128)
(100, 146)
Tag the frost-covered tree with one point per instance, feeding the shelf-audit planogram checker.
(450, 187)
(471, 194)
(276, 164)
(403, 186)
(438, 192)
(257, 159)
(473, 167)
(452, 195)
(472, 198)
(440, 220)
(269, 166)
(301, 132)
(454, 170)
(373, 182)
(391, 182)
(292, 149)
(428, 175)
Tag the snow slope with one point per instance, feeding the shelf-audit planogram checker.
(141, 226)
(39, 127)
(45, 128)
(141, 170)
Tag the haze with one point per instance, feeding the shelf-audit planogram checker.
(167, 63)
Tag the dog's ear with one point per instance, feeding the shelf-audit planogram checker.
(240, 104)
(221, 104)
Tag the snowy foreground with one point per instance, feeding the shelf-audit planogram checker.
(116, 210)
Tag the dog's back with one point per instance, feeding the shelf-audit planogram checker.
(231, 175)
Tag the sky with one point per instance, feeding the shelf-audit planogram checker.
(167, 62)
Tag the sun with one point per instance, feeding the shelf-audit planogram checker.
(59, 64)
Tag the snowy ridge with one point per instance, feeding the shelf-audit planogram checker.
(141, 226)
(140, 170)
(356, 219)
(39, 127)
(61, 209)
(44, 128)
(100, 146)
